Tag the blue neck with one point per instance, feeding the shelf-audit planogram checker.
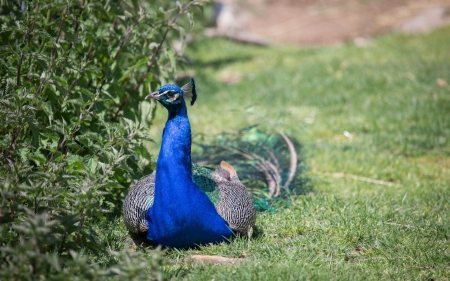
(175, 154)
(181, 215)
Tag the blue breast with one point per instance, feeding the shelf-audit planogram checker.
(186, 222)
(181, 215)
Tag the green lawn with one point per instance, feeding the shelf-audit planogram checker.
(386, 96)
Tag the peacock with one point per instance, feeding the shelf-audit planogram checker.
(182, 204)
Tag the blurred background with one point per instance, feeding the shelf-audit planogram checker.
(309, 22)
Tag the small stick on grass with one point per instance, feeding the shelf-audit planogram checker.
(342, 175)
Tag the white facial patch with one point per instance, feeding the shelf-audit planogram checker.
(174, 98)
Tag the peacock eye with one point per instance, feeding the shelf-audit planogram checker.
(171, 96)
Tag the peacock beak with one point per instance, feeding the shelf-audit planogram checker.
(155, 95)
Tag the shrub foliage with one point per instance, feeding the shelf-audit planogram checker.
(73, 75)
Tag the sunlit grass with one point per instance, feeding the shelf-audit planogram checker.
(386, 97)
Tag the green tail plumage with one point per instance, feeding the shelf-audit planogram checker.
(267, 163)
(204, 180)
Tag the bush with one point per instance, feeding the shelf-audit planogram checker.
(73, 75)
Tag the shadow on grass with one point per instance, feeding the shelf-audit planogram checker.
(257, 232)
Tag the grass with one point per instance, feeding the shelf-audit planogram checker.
(387, 97)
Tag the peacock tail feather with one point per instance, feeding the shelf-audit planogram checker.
(204, 180)
(268, 163)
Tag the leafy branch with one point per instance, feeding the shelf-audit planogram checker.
(68, 160)
(182, 10)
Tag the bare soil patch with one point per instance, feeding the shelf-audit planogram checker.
(322, 22)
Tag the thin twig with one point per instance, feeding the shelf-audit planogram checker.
(123, 42)
(77, 25)
(115, 22)
(68, 90)
(19, 67)
(61, 247)
(63, 18)
(342, 175)
(38, 91)
(115, 163)
(54, 153)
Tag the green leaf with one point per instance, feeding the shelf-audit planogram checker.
(62, 82)
(191, 21)
(74, 146)
(142, 151)
(50, 135)
(53, 146)
(24, 154)
(38, 158)
(48, 110)
(74, 162)
(34, 126)
(140, 62)
(91, 163)
(58, 157)
(173, 62)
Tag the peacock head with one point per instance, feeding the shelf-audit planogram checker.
(171, 96)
